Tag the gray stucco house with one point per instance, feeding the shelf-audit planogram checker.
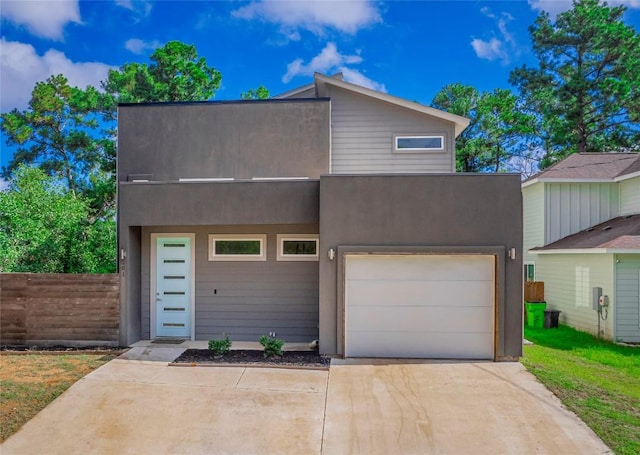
(330, 212)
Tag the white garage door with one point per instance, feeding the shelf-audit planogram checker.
(419, 306)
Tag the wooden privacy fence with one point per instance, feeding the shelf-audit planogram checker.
(534, 291)
(59, 309)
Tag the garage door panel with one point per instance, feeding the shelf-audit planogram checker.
(429, 293)
(420, 319)
(421, 345)
(415, 267)
(417, 306)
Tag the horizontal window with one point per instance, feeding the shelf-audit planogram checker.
(237, 247)
(297, 247)
(419, 143)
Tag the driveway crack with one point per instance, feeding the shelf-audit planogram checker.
(324, 414)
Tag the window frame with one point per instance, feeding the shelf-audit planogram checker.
(261, 238)
(282, 256)
(525, 266)
(397, 149)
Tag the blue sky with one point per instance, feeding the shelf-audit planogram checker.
(409, 49)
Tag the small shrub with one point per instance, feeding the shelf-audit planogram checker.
(220, 347)
(272, 346)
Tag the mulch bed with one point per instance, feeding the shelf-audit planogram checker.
(299, 359)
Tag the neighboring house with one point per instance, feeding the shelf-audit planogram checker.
(582, 230)
(331, 212)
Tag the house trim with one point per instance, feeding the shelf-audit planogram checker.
(498, 252)
(441, 136)
(626, 176)
(561, 180)
(580, 180)
(281, 238)
(212, 256)
(588, 251)
(152, 273)
(460, 122)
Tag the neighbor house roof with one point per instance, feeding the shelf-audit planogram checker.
(591, 167)
(321, 81)
(617, 235)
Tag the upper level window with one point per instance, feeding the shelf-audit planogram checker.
(297, 247)
(419, 143)
(237, 247)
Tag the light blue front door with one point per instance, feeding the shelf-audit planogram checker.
(173, 287)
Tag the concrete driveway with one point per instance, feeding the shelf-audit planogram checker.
(140, 407)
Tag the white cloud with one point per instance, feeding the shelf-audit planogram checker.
(329, 60)
(356, 77)
(315, 16)
(555, 7)
(21, 67)
(140, 7)
(492, 49)
(500, 48)
(42, 18)
(4, 184)
(138, 46)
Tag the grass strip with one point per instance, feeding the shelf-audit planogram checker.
(597, 379)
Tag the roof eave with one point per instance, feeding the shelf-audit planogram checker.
(460, 122)
(627, 176)
(587, 251)
(566, 180)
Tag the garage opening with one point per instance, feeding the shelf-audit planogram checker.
(419, 306)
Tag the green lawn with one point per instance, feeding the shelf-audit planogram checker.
(28, 383)
(596, 379)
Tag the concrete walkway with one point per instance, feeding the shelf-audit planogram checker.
(140, 407)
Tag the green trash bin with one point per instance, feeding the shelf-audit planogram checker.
(535, 313)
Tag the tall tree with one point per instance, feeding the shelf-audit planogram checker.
(55, 132)
(260, 93)
(586, 88)
(176, 73)
(499, 129)
(44, 228)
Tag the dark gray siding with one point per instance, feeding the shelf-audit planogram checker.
(245, 299)
(454, 213)
(627, 304)
(242, 140)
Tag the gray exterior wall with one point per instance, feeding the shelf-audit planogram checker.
(363, 129)
(241, 140)
(244, 299)
(186, 203)
(453, 213)
(572, 207)
(222, 204)
(627, 295)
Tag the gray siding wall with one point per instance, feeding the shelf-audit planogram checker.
(630, 196)
(197, 205)
(627, 304)
(482, 213)
(242, 140)
(362, 132)
(572, 207)
(245, 299)
(534, 219)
